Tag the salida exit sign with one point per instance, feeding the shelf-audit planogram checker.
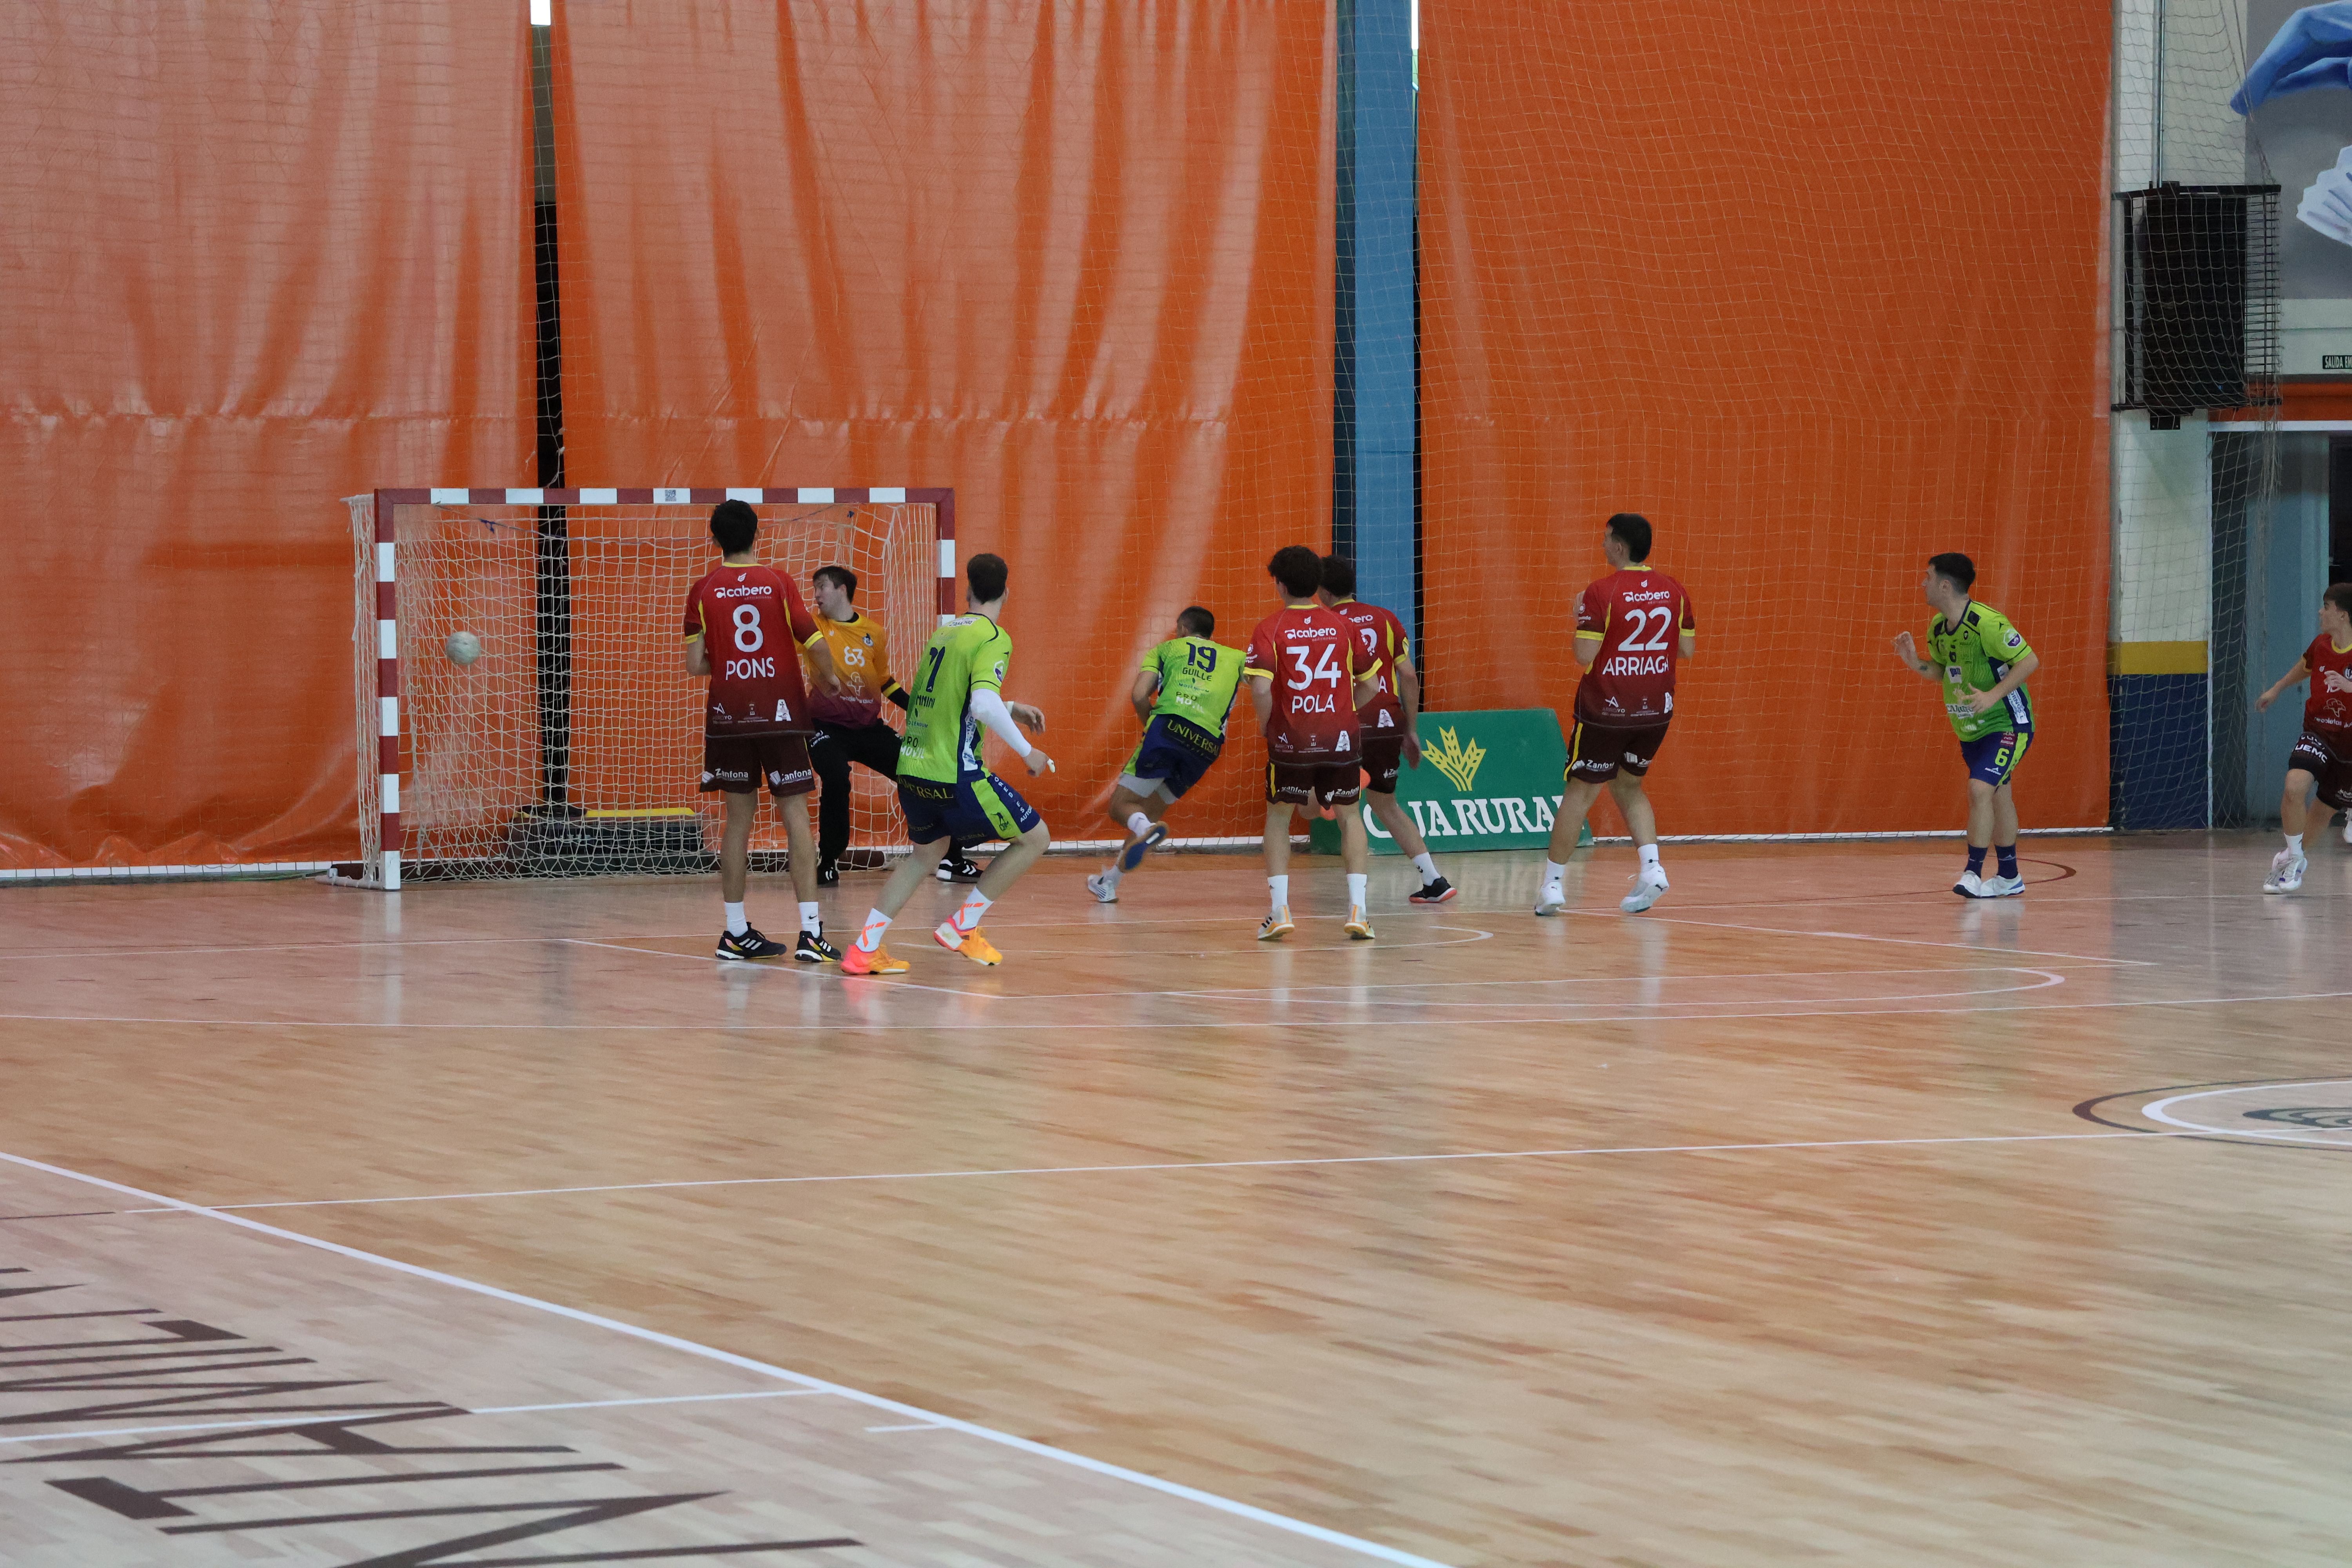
(2335, 362)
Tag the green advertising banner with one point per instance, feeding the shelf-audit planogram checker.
(1486, 781)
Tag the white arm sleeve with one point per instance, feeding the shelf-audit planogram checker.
(989, 708)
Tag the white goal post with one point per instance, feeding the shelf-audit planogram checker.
(523, 706)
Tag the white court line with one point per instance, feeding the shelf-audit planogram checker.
(1899, 941)
(173, 1207)
(456, 1409)
(2156, 1112)
(1126, 1027)
(813, 1384)
(911, 1426)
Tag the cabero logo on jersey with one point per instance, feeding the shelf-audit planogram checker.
(1649, 597)
(751, 590)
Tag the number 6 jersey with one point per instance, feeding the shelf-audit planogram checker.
(1640, 617)
(753, 625)
(1311, 655)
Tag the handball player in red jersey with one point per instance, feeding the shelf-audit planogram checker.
(2322, 762)
(1631, 627)
(1302, 671)
(1388, 732)
(744, 624)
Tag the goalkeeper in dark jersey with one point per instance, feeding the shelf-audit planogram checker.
(1182, 694)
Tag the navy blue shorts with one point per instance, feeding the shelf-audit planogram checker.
(970, 810)
(1992, 758)
(1170, 758)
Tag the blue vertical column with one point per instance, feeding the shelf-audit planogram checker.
(1375, 402)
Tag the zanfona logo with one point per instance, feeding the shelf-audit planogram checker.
(1457, 761)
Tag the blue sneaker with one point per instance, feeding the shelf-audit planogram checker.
(1132, 856)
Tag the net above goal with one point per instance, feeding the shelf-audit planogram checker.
(524, 707)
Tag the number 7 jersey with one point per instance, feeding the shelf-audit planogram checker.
(1640, 617)
(1311, 655)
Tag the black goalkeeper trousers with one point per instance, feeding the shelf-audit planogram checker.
(831, 751)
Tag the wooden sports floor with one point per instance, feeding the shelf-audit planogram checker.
(1816, 1218)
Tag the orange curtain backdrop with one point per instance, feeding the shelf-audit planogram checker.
(1073, 261)
(259, 257)
(1814, 288)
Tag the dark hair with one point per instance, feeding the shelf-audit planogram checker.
(1298, 569)
(1339, 576)
(1958, 568)
(1633, 530)
(1196, 622)
(734, 525)
(841, 576)
(984, 575)
(2338, 595)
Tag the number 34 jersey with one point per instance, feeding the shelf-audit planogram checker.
(753, 625)
(1311, 655)
(1640, 617)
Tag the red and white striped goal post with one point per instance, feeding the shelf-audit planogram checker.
(387, 582)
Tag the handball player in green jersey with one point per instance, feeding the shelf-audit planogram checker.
(1182, 694)
(1983, 664)
(946, 792)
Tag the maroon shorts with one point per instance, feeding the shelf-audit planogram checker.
(1322, 783)
(1384, 761)
(737, 763)
(1596, 752)
(2325, 762)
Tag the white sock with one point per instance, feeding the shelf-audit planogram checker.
(2293, 842)
(966, 919)
(1649, 853)
(1426, 864)
(1137, 823)
(1356, 882)
(736, 924)
(870, 939)
(1280, 887)
(1553, 872)
(812, 920)
(1111, 874)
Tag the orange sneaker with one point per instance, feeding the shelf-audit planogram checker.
(858, 961)
(970, 943)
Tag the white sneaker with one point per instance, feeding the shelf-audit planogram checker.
(1648, 884)
(1552, 900)
(1105, 890)
(1970, 885)
(2347, 827)
(2286, 872)
(1998, 887)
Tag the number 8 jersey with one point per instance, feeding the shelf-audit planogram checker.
(752, 626)
(1311, 655)
(1640, 617)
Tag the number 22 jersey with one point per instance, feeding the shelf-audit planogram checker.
(752, 624)
(1640, 617)
(1311, 655)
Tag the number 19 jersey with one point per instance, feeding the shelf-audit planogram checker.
(1311, 655)
(751, 624)
(1640, 617)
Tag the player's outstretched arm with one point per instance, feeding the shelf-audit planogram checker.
(2295, 676)
(1028, 714)
(1140, 695)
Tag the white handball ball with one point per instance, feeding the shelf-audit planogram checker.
(463, 648)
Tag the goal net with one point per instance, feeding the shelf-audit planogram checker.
(524, 707)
